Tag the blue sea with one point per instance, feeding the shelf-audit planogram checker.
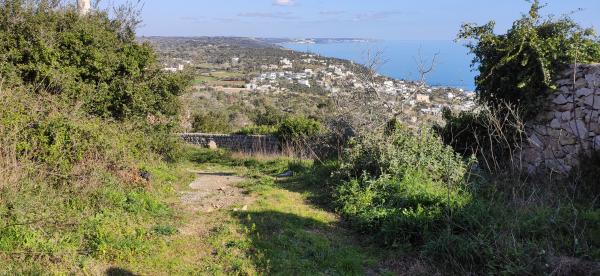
(453, 62)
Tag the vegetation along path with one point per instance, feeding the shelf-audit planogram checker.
(237, 217)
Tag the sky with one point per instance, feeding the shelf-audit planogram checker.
(374, 19)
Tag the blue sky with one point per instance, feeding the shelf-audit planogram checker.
(379, 19)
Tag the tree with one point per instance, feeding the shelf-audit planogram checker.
(518, 67)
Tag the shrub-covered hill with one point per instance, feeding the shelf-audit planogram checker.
(86, 124)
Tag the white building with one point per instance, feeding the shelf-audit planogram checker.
(304, 82)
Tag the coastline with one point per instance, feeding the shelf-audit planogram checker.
(453, 70)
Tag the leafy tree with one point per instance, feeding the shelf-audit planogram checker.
(518, 67)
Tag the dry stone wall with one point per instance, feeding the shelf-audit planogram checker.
(243, 143)
(569, 125)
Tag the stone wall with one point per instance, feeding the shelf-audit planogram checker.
(569, 125)
(243, 143)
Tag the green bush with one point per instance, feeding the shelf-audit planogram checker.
(518, 67)
(401, 151)
(211, 122)
(401, 187)
(93, 60)
(293, 128)
(258, 130)
(399, 211)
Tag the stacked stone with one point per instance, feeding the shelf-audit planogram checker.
(244, 143)
(569, 125)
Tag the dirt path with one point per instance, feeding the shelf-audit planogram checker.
(214, 191)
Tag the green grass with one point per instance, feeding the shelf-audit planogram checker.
(281, 233)
(147, 231)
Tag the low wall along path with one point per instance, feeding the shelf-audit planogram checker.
(244, 143)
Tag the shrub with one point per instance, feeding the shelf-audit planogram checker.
(518, 67)
(91, 60)
(399, 188)
(211, 122)
(293, 128)
(586, 177)
(492, 135)
(258, 130)
(402, 151)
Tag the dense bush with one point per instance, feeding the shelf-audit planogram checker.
(587, 177)
(211, 122)
(518, 67)
(492, 135)
(293, 128)
(85, 119)
(401, 151)
(401, 187)
(94, 61)
(258, 130)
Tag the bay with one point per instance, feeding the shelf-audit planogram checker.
(452, 67)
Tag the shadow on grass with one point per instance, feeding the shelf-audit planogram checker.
(315, 182)
(116, 271)
(288, 244)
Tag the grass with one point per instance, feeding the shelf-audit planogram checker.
(147, 231)
(283, 232)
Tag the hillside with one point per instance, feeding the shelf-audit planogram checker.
(366, 175)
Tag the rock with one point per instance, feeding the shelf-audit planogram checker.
(545, 116)
(597, 142)
(287, 173)
(581, 83)
(578, 128)
(593, 80)
(535, 141)
(212, 145)
(593, 101)
(245, 208)
(567, 140)
(584, 92)
(595, 127)
(560, 100)
(555, 123)
(556, 165)
(566, 116)
(566, 107)
(145, 175)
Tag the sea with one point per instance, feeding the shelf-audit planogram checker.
(452, 69)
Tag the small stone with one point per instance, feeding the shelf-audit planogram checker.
(245, 208)
(212, 145)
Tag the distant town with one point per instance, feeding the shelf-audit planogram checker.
(249, 65)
